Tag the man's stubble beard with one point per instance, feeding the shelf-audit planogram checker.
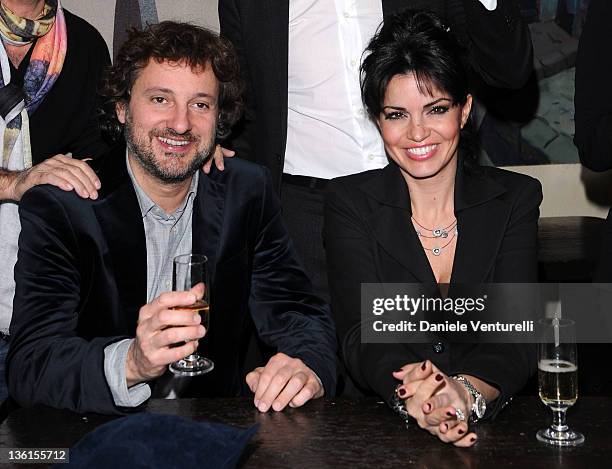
(144, 154)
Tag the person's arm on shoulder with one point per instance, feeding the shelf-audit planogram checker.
(61, 171)
(286, 312)
(499, 44)
(593, 97)
(8, 180)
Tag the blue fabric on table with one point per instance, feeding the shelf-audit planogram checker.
(160, 441)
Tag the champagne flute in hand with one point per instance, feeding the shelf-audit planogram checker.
(189, 271)
(558, 379)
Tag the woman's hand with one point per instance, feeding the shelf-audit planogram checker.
(415, 372)
(432, 398)
(218, 156)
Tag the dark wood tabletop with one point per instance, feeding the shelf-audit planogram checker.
(569, 248)
(353, 433)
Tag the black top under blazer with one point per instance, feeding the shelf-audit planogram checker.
(369, 237)
(81, 278)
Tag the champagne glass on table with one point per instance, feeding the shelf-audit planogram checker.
(189, 271)
(558, 379)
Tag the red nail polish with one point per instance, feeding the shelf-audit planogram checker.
(449, 414)
(472, 439)
(401, 392)
(398, 371)
(423, 366)
(439, 377)
(460, 431)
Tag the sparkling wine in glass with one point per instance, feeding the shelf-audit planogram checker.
(190, 270)
(558, 379)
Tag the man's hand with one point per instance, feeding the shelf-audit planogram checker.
(283, 381)
(61, 171)
(159, 328)
(218, 156)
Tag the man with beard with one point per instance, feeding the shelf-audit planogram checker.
(95, 322)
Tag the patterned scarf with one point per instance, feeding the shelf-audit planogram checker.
(45, 66)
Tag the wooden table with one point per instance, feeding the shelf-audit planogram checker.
(569, 248)
(353, 433)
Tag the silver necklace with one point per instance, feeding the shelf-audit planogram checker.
(438, 233)
(436, 251)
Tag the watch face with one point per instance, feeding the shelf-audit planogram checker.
(480, 407)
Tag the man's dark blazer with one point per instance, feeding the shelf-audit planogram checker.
(369, 237)
(499, 47)
(81, 279)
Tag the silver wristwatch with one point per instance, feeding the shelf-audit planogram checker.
(479, 407)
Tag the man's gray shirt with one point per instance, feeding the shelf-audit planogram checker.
(167, 235)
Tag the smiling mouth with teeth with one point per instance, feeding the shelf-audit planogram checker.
(421, 151)
(175, 143)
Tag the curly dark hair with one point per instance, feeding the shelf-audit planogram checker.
(174, 42)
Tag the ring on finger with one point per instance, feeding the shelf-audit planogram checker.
(460, 415)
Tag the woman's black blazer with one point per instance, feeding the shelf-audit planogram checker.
(369, 237)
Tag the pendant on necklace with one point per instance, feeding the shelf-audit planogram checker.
(436, 251)
(439, 232)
